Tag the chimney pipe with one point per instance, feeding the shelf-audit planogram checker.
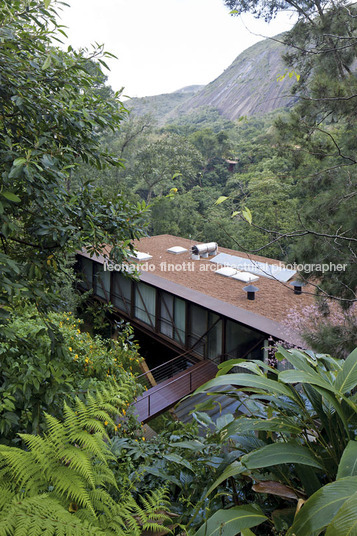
(297, 286)
(250, 290)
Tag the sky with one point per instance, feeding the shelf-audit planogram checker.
(164, 45)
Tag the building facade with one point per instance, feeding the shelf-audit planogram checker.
(187, 305)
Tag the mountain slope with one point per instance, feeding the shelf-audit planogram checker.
(248, 86)
(162, 105)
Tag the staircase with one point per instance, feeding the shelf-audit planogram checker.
(169, 391)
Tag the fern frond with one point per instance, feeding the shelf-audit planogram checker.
(18, 467)
(157, 499)
(67, 470)
(80, 462)
(70, 487)
(122, 519)
(104, 476)
(42, 515)
(103, 502)
(133, 518)
(153, 514)
(92, 443)
(6, 495)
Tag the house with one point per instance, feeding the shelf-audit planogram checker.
(196, 301)
(231, 165)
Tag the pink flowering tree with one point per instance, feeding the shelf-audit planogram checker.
(326, 329)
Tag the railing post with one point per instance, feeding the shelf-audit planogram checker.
(149, 405)
(191, 380)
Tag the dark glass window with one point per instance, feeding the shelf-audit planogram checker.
(121, 292)
(145, 303)
(242, 342)
(172, 317)
(86, 272)
(101, 282)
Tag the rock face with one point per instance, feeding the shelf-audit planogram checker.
(249, 86)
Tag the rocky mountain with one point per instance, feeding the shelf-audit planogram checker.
(249, 86)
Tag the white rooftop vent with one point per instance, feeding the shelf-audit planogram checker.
(245, 277)
(177, 250)
(226, 271)
(140, 256)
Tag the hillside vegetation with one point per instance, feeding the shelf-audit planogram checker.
(74, 460)
(161, 106)
(249, 86)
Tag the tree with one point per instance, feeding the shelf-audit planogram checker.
(125, 144)
(321, 130)
(177, 215)
(52, 113)
(167, 162)
(132, 131)
(214, 149)
(42, 368)
(270, 199)
(210, 144)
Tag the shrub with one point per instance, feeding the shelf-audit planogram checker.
(294, 443)
(46, 360)
(62, 483)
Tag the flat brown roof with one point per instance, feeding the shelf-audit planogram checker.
(197, 282)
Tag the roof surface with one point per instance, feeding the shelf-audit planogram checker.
(274, 299)
(196, 281)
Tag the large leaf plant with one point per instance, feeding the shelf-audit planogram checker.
(295, 442)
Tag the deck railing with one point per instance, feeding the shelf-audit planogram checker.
(165, 371)
(159, 398)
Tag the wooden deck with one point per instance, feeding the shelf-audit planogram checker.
(165, 395)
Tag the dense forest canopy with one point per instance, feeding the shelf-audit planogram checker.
(77, 170)
(295, 169)
(54, 106)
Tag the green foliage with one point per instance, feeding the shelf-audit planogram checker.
(210, 144)
(295, 439)
(53, 107)
(318, 135)
(269, 9)
(179, 215)
(46, 360)
(162, 159)
(198, 119)
(177, 458)
(229, 522)
(325, 186)
(332, 507)
(61, 484)
(263, 184)
(115, 181)
(293, 445)
(161, 106)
